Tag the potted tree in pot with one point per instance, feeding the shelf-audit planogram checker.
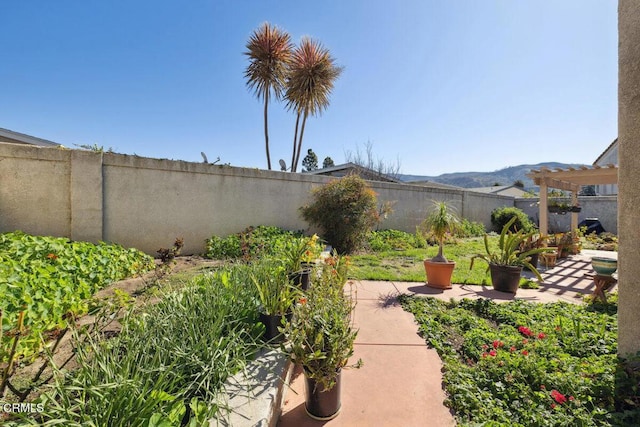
(277, 296)
(321, 338)
(507, 261)
(441, 221)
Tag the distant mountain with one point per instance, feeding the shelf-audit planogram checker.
(506, 176)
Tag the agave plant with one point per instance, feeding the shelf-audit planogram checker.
(509, 253)
(312, 73)
(269, 50)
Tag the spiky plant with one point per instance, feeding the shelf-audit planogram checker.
(441, 220)
(312, 73)
(269, 50)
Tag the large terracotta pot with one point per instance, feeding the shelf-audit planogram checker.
(439, 273)
(321, 404)
(505, 278)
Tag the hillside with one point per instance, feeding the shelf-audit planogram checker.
(506, 176)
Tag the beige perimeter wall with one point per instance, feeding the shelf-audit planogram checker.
(147, 203)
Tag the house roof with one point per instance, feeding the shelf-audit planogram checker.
(609, 148)
(504, 190)
(7, 135)
(348, 168)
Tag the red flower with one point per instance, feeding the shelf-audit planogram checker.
(558, 397)
(484, 355)
(553, 406)
(525, 341)
(493, 353)
(525, 352)
(303, 301)
(484, 346)
(542, 387)
(541, 335)
(497, 344)
(512, 348)
(525, 331)
(571, 398)
(52, 256)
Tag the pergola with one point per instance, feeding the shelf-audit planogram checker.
(570, 179)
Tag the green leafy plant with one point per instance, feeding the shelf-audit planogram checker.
(501, 216)
(168, 364)
(345, 210)
(508, 252)
(275, 291)
(390, 240)
(442, 220)
(521, 363)
(250, 244)
(321, 333)
(297, 250)
(51, 279)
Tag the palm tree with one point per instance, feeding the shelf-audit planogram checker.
(269, 51)
(312, 72)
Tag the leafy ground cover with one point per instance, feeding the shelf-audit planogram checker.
(249, 244)
(529, 364)
(46, 280)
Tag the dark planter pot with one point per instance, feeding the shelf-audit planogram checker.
(533, 261)
(321, 404)
(505, 278)
(301, 278)
(575, 209)
(271, 323)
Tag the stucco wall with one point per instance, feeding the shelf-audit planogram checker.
(605, 208)
(35, 190)
(147, 203)
(628, 183)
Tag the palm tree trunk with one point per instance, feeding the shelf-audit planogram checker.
(266, 130)
(295, 139)
(304, 122)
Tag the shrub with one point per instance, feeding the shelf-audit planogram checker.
(470, 229)
(345, 210)
(501, 216)
(249, 244)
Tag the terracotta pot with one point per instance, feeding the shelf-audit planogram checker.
(322, 404)
(505, 278)
(439, 273)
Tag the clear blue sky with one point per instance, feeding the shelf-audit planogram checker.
(443, 86)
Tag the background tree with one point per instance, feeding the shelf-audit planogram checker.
(312, 73)
(518, 183)
(327, 162)
(310, 161)
(269, 50)
(369, 161)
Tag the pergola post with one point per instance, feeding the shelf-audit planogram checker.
(544, 211)
(574, 215)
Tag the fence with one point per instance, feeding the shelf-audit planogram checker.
(147, 203)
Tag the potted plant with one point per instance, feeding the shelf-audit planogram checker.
(534, 241)
(321, 338)
(440, 222)
(507, 261)
(299, 255)
(277, 296)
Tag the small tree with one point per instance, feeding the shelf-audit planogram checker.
(327, 163)
(441, 220)
(502, 216)
(310, 161)
(346, 210)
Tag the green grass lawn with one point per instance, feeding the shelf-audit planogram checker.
(406, 265)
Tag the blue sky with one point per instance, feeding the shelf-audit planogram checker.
(443, 86)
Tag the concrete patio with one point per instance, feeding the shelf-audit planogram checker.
(401, 381)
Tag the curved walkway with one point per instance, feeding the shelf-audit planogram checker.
(400, 383)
